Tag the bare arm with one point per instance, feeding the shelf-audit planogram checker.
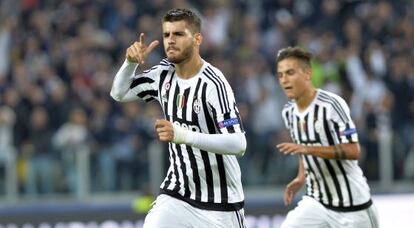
(295, 185)
(345, 151)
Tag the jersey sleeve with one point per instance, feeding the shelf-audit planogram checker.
(223, 105)
(343, 127)
(127, 86)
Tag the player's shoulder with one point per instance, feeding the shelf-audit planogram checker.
(330, 98)
(164, 64)
(211, 73)
(288, 106)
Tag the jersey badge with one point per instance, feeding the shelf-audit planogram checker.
(196, 105)
(347, 132)
(228, 122)
(180, 102)
(167, 86)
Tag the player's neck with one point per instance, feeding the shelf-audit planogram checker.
(306, 99)
(190, 68)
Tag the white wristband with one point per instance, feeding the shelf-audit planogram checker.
(180, 134)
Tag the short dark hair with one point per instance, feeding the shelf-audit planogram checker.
(296, 53)
(192, 19)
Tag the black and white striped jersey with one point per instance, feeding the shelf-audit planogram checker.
(337, 184)
(205, 103)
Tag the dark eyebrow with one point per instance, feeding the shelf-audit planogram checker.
(290, 69)
(175, 33)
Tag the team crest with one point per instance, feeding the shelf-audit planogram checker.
(197, 105)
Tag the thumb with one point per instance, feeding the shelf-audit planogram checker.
(152, 45)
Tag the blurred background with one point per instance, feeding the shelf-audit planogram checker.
(71, 156)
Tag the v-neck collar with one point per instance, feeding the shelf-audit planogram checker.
(310, 106)
(185, 83)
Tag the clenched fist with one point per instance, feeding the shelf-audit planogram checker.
(165, 130)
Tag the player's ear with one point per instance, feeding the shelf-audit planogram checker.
(308, 72)
(198, 39)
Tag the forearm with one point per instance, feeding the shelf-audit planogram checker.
(347, 151)
(301, 170)
(122, 81)
(230, 144)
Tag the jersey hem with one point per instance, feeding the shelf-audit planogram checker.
(205, 205)
(351, 208)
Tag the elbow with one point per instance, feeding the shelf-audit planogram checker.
(116, 96)
(241, 149)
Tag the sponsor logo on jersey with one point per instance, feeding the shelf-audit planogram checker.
(228, 122)
(188, 126)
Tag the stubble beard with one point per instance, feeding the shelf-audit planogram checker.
(185, 55)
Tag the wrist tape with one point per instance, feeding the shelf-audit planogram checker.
(180, 134)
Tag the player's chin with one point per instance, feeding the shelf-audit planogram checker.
(290, 95)
(174, 59)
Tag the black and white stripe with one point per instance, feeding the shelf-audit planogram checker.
(240, 218)
(204, 180)
(337, 184)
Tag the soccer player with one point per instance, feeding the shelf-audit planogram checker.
(202, 127)
(325, 138)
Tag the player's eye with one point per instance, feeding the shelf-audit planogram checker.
(290, 72)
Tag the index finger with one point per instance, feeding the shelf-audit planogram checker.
(141, 38)
(280, 145)
(161, 122)
(158, 123)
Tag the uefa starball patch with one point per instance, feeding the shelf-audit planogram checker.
(347, 132)
(228, 122)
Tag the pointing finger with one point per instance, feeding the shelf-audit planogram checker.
(141, 38)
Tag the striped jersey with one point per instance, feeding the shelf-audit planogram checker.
(204, 103)
(337, 184)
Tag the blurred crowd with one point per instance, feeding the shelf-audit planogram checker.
(58, 60)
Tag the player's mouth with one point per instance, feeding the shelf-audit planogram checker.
(172, 49)
(287, 88)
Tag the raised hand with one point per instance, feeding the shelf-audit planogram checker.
(138, 51)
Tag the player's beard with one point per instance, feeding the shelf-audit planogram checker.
(185, 55)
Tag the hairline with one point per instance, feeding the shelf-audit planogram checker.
(192, 20)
